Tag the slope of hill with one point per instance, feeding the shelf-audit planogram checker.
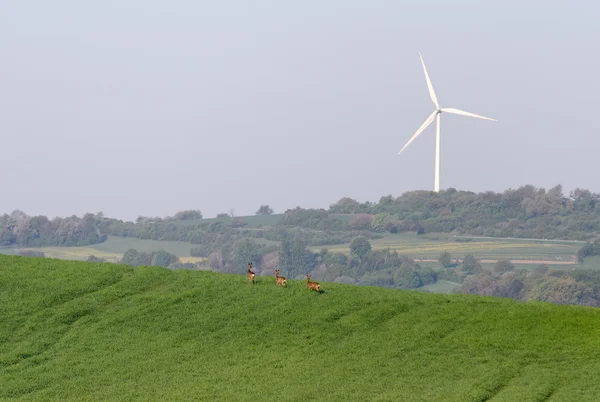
(82, 331)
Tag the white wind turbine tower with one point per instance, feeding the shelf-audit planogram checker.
(437, 112)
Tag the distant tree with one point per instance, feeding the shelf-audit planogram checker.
(347, 201)
(216, 226)
(245, 251)
(588, 249)
(540, 270)
(146, 259)
(445, 259)
(163, 258)
(307, 218)
(361, 222)
(131, 257)
(391, 227)
(470, 265)
(379, 222)
(503, 266)
(345, 205)
(192, 214)
(215, 260)
(427, 275)
(386, 200)
(483, 283)
(198, 237)
(294, 258)
(264, 210)
(223, 215)
(200, 251)
(360, 246)
(232, 213)
(270, 262)
(93, 258)
(562, 291)
(406, 277)
(238, 222)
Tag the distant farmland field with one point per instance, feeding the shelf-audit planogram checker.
(488, 249)
(427, 247)
(113, 248)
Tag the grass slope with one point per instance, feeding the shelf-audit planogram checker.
(80, 331)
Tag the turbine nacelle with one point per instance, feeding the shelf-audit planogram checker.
(436, 113)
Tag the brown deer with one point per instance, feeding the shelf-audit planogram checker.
(280, 280)
(312, 285)
(250, 275)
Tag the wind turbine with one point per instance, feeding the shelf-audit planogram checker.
(437, 113)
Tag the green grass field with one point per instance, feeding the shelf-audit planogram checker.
(76, 331)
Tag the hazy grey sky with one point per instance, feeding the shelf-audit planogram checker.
(138, 107)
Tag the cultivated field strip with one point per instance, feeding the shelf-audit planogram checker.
(480, 249)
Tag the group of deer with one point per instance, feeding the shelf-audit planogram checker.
(280, 280)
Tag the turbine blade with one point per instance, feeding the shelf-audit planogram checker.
(429, 86)
(463, 113)
(423, 127)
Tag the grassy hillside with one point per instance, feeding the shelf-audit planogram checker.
(82, 331)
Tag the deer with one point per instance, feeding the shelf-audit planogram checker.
(280, 280)
(250, 275)
(312, 285)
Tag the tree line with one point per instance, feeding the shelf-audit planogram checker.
(525, 212)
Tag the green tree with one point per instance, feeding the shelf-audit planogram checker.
(503, 266)
(190, 214)
(245, 251)
(145, 259)
(588, 249)
(264, 210)
(406, 277)
(470, 265)
(294, 258)
(360, 246)
(200, 251)
(379, 222)
(445, 259)
(427, 275)
(163, 258)
(131, 257)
